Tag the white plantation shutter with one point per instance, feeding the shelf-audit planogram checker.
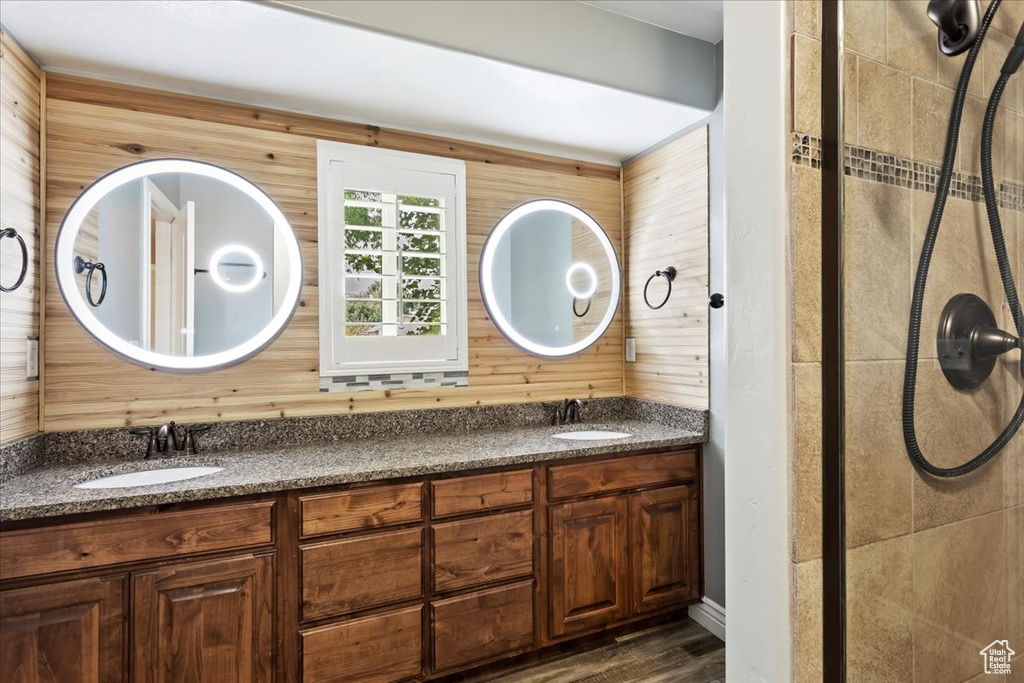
(392, 261)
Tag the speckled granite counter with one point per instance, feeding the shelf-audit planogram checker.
(50, 491)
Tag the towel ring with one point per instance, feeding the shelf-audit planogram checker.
(669, 274)
(13, 234)
(81, 265)
(586, 310)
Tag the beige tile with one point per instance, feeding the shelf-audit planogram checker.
(912, 38)
(993, 56)
(1013, 146)
(880, 611)
(949, 73)
(864, 21)
(1009, 17)
(969, 157)
(959, 596)
(963, 260)
(1014, 522)
(806, 85)
(932, 107)
(877, 270)
(808, 620)
(952, 428)
(807, 266)
(807, 17)
(850, 97)
(878, 472)
(884, 111)
(807, 403)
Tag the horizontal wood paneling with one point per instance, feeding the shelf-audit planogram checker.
(86, 386)
(665, 209)
(19, 209)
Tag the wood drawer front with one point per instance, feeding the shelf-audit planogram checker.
(133, 538)
(358, 573)
(471, 628)
(471, 552)
(482, 492)
(382, 648)
(578, 479)
(366, 508)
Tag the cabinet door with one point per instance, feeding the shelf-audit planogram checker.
(70, 631)
(588, 564)
(665, 547)
(204, 621)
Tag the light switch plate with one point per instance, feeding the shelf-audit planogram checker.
(630, 349)
(32, 358)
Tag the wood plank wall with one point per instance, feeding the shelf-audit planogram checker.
(88, 387)
(19, 208)
(665, 208)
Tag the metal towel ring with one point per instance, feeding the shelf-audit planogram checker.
(81, 265)
(669, 274)
(586, 310)
(12, 233)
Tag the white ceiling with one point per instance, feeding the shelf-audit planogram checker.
(259, 54)
(697, 18)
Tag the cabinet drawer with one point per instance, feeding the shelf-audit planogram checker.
(375, 506)
(470, 552)
(482, 492)
(477, 626)
(578, 479)
(382, 648)
(357, 573)
(134, 537)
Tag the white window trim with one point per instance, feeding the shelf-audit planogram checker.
(328, 152)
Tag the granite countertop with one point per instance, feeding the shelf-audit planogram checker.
(50, 491)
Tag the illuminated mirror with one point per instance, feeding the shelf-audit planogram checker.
(178, 265)
(549, 278)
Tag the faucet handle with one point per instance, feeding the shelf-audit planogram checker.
(152, 448)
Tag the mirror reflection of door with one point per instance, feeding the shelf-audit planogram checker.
(171, 276)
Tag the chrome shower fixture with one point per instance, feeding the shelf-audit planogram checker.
(958, 22)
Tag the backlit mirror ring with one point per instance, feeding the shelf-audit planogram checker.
(64, 253)
(218, 256)
(489, 294)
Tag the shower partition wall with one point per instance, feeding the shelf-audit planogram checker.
(901, 575)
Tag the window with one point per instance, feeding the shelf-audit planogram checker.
(392, 241)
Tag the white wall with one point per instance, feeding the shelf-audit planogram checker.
(567, 38)
(756, 315)
(120, 249)
(226, 216)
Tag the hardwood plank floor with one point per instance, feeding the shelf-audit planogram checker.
(679, 652)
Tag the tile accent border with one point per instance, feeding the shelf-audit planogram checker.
(889, 169)
(405, 380)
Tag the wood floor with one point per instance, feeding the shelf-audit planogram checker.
(679, 652)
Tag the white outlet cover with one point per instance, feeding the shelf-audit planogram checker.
(32, 358)
(630, 349)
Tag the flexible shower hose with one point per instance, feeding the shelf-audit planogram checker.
(992, 209)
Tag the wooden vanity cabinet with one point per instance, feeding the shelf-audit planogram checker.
(65, 631)
(392, 582)
(204, 621)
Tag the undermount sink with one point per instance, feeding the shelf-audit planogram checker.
(148, 477)
(590, 435)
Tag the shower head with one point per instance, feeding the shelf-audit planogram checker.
(958, 22)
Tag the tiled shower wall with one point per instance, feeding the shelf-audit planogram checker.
(935, 569)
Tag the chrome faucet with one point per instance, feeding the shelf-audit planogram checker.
(569, 411)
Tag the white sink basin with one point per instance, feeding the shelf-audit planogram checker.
(590, 435)
(148, 477)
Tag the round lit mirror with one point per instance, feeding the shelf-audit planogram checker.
(549, 278)
(179, 265)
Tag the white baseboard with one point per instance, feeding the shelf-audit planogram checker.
(710, 615)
